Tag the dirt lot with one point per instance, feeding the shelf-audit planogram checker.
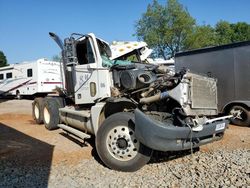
(16, 120)
(28, 145)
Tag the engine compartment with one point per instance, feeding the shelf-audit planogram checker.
(161, 95)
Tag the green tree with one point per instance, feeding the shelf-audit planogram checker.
(170, 28)
(202, 36)
(3, 60)
(224, 32)
(241, 32)
(165, 28)
(229, 33)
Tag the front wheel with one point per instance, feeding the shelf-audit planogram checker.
(117, 145)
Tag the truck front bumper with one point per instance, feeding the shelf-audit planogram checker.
(167, 137)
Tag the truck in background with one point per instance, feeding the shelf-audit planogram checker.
(34, 78)
(230, 64)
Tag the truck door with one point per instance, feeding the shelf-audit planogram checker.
(92, 80)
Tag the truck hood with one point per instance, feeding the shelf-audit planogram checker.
(121, 48)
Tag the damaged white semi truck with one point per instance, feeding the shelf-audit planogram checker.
(132, 108)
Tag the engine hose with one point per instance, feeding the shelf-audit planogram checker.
(145, 78)
(154, 98)
(179, 111)
(180, 120)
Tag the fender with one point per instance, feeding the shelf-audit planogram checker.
(167, 137)
(245, 104)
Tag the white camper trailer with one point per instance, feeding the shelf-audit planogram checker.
(39, 77)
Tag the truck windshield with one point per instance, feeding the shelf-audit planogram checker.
(106, 53)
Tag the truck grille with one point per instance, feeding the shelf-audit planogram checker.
(203, 92)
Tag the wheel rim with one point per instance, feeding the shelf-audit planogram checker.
(46, 115)
(122, 144)
(37, 111)
(238, 114)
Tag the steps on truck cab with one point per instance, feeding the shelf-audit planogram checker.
(76, 122)
(82, 113)
(74, 131)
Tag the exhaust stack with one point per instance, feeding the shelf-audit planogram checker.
(56, 39)
(66, 74)
(69, 74)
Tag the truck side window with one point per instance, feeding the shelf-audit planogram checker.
(84, 52)
(9, 75)
(1, 76)
(90, 54)
(29, 72)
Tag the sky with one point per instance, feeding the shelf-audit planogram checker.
(25, 24)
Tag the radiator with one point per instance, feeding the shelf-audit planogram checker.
(203, 92)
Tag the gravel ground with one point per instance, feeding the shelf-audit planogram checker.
(30, 156)
(202, 169)
(215, 169)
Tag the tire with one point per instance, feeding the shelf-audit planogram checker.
(117, 146)
(37, 110)
(18, 95)
(242, 116)
(51, 113)
(60, 101)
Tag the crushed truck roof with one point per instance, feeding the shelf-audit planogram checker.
(120, 48)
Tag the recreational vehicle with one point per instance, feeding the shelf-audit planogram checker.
(37, 78)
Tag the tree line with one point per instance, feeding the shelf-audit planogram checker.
(170, 28)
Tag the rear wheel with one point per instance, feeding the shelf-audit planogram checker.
(117, 145)
(37, 110)
(18, 95)
(242, 116)
(51, 113)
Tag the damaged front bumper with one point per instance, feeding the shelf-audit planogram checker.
(167, 137)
